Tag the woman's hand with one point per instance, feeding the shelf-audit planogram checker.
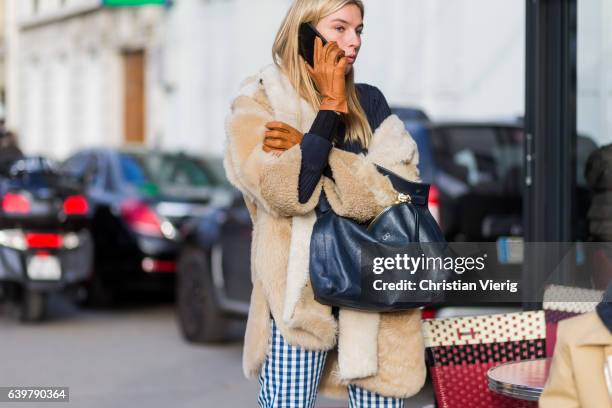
(280, 137)
(329, 75)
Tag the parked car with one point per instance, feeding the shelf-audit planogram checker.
(45, 246)
(476, 173)
(140, 198)
(214, 282)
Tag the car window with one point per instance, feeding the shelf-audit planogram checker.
(83, 166)
(34, 172)
(181, 171)
(75, 165)
(480, 154)
(214, 165)
(134, 170)
(155, 170)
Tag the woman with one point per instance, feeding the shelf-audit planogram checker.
(295, 132)
(581, 370)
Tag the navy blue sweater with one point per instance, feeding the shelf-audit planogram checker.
(329, 127)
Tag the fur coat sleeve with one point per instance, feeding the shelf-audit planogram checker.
(358, 190)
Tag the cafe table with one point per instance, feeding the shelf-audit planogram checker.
(520, 379)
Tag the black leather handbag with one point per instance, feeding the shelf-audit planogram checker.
(342, 252)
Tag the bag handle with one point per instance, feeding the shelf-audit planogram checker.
(418, 192)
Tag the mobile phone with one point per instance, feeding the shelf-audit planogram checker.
(306, 38)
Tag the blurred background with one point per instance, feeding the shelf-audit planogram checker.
(124, 252)
(81, 74)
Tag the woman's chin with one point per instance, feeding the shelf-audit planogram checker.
(348, 68)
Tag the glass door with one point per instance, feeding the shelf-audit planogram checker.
(568, 146)
(593, 146)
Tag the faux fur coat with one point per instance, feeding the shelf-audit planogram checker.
(384, 352)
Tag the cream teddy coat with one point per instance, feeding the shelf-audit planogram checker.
(383, 353)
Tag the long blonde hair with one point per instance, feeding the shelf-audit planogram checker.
(285, 56)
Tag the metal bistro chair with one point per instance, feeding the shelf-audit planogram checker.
(461, 350)
(563, 302)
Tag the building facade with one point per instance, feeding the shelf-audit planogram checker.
(80, 74)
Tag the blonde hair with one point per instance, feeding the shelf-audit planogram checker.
(285, 56)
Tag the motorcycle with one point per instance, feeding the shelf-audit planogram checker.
(45, 243)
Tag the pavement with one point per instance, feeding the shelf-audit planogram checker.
(131, 355)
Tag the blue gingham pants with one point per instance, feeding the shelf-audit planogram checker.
(290, 376)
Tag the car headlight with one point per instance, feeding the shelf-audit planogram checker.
(13, 239)
(168, 230)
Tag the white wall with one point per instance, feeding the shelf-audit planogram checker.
(459, 59)
(210, 48)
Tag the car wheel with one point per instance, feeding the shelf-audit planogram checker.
(200, 318)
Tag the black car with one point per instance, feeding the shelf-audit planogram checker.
(140, 199)
(477, 182)
(214, 283)
(476, 174)
(475, 170)
(45, 246)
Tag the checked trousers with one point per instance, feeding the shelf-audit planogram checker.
(290, 376)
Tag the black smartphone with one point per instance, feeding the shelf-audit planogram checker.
(306, 38)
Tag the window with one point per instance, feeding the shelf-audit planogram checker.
(75, 165)
(82, 166)
(481, 155)
(151, 171)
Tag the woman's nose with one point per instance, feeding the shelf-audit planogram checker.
(353, 41)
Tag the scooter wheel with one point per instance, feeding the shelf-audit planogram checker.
(31, 306)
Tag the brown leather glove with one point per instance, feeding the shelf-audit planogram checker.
(280, 137)
(329, 75)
